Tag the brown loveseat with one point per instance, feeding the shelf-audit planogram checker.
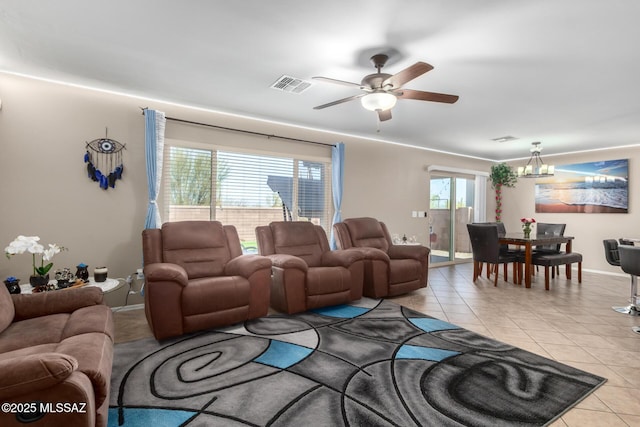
(306, 274)
(56, 348)
(390, 269)
(197, 278)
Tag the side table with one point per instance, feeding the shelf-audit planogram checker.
(108, 285)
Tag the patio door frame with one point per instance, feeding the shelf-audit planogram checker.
(479, 205)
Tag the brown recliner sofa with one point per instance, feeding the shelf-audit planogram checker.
(306, 273)
(390, 269)
(56, 354)
(197, 278)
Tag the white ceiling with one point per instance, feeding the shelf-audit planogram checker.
(564, 72)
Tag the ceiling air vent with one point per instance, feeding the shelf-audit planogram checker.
(505, 138)
(291, 84)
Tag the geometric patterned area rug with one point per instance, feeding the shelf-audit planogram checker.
(373, 363)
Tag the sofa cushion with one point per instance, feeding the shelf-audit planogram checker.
(299, 239)
(6, 308)
(200, 247)
(213, 294)
(33, 332)
(367, 232)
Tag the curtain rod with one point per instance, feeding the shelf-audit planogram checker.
(244, 131)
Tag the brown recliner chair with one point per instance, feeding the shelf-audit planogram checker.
(306, 273)
(197, 278)
(389, 269)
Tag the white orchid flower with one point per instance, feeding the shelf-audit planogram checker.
(48, 254)
(24, 244)
(30, 244)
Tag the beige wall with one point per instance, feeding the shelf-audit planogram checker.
(390, 181)
(589, 229)
(44, 189)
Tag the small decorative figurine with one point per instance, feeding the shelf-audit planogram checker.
(82, 271)
(13, 284)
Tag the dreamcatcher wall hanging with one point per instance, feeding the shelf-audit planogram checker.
(104, 161)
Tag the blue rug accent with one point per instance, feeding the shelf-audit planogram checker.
(424, 353)
(432, 325)
(283, 354)
(341, 311)
(151, 417)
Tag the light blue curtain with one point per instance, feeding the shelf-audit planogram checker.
(153, 147)
(337, 178)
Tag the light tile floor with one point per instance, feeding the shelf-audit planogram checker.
(572, 323)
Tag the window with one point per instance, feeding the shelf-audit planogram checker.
(244, 189)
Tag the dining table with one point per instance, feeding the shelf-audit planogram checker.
(529, 243)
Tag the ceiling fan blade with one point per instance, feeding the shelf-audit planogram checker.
(384, 115)
(426, 96)
(408, 74)
(339, 101)
(339, 82)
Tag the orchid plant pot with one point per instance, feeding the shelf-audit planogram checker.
(37, 280)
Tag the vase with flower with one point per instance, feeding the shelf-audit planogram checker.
(526, 226)
(39, 254)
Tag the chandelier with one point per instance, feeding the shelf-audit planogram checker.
(535, 167)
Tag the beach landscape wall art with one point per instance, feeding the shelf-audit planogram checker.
(595, 187)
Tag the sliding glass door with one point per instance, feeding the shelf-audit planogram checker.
(451, 204)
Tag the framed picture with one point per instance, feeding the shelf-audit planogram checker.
(596, 187)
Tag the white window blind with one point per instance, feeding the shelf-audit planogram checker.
(245, 189)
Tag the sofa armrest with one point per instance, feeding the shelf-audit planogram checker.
(28, 306)
(164, 284)
(374, 254)
(417, 252)
(288, 261)
(165, 272)
(26, 374)
(341, 257)
(246, 265)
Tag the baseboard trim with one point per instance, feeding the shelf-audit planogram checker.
(128, 307)
(606, 273)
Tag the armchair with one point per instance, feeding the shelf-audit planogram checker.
(306, 273)
(55, 347)
(197, 278)
(389, 269)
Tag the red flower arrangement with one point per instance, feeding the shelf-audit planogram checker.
(527, 221)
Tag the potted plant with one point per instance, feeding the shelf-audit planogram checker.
(502, 175)
(30, 245)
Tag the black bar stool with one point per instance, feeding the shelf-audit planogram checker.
(630, 264)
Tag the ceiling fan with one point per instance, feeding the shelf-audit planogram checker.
(381, 90)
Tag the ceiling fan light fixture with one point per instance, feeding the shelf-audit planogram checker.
(379, 101)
